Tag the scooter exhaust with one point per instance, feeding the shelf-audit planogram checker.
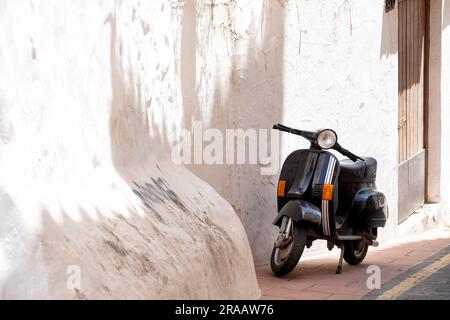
(375, 244)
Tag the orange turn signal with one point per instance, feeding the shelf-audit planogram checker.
(282, 188)
(328, 192)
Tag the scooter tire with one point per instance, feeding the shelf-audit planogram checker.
(354, 255)
(298, 246)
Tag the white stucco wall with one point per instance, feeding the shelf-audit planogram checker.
(308, 64)
(445, 107)
(93, 95)
(90, 103)
(240, 66)
(345, 78)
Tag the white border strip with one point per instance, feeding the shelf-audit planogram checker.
(325, 203)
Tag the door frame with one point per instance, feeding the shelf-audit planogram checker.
(431, 106)
(432, 99)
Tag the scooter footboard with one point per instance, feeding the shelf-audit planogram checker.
(299, 210)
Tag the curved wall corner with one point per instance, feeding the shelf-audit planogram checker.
(90, 205)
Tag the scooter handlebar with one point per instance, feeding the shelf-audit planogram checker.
(280, 127)
(311, 136)
(347, 153)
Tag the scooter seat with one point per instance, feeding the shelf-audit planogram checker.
(358, 172)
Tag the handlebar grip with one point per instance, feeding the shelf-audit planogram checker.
(281, 128)
(348, 154)
(352, 157)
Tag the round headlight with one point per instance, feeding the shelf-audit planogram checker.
(327, 139)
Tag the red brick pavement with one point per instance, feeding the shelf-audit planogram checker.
(315, 279)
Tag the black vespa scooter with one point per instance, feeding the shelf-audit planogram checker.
(320, 197)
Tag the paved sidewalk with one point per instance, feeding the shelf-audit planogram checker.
(315, 278)
(429, 280)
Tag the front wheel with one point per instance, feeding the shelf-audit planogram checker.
(355, 251)
(284, 260)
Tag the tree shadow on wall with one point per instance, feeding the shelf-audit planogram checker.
(254, 100)
(389, 33)
(129, 126)
(136, 145)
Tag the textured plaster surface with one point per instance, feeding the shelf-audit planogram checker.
(445, 108)
(310, 65)
(93, 95)
(90, 104)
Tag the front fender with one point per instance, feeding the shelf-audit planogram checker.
(299, 210)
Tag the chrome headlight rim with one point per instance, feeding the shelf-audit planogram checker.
(325, 135)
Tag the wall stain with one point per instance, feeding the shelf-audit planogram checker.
(157, 192)
(117, 248)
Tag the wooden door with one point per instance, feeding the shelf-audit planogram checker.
(411, 38)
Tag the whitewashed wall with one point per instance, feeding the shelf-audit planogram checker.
(240, 67)
(346, 76)
(91, 92)
(445, 107)
(90, 103)
(310, 65)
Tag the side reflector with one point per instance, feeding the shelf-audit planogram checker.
(328, 192)
(282, 188)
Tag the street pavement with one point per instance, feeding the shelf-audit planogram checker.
(436, 287)
(416, 267)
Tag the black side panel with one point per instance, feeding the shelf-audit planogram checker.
(298, 171)
(359, 171)
(370, 209)
(348, 192)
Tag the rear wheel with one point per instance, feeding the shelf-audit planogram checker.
(285, 259)
(356, 251)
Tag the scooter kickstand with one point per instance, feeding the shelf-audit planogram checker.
(341, 260)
